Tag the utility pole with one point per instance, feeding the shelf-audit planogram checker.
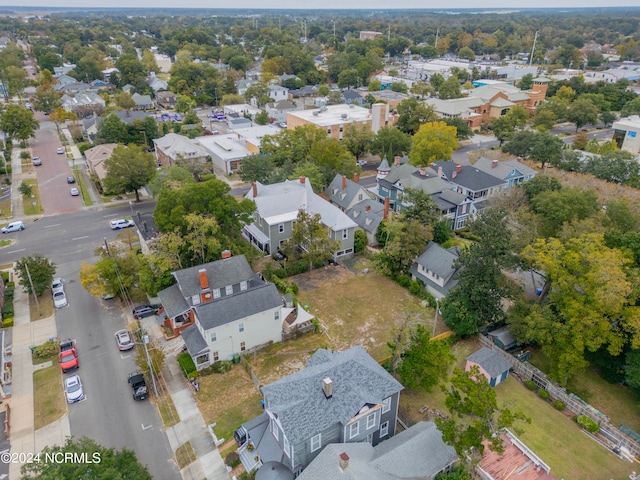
(106, 247)
(33, 290)
(145, 340)
(533, 49)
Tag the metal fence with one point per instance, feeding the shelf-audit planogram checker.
(526, 371)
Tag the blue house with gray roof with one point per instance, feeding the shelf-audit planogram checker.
(339, 397)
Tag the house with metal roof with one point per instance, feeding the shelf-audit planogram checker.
(491, 363)
(277, 207)
(221, 309)
(393, 459)
(339, 397)
(436, 268)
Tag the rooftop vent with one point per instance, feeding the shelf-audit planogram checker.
(316, 113)
(344, 116)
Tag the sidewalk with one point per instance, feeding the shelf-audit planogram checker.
(16, 180)
(23, 438)
(192, 427)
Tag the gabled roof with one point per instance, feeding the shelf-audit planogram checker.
(97, 155)
(370, 219)
(299, 402)
(351, 95)
(393, 459)
(142, 99)
(280, 202)
(344, 197)
(174, 145)
(166, 94)
(502, 103)
(469, 176)
(227, 271)
(194, 341)
(505, 169)
(281, 105)
(409, 176)
(173, 301)
(437, 259)
(492, 361)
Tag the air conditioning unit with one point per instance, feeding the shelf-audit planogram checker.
(323, 108)
(316, 112)
(344, 116)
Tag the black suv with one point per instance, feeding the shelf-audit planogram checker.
(145, 311)
(140, 390)
(71, 180)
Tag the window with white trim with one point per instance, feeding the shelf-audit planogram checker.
(286, 446)
(386, 405)
(241, 327)
(213, 337)
(275, 430)
(215, 356)
(371, 420)
(243, 346)
(354, 430)
(243, 285)
(216, 293)
(276, 315)
(384, 429)
(281, 228)
(316, 442)
(345, 234)
(228, 290)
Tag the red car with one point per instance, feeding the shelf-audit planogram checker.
(68, 356)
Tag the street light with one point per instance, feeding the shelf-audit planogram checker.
(145, 341)
(33, 203)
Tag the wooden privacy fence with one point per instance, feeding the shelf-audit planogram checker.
(526, 371)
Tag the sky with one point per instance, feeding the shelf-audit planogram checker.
(325, 4)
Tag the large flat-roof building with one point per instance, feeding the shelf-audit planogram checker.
(626, 134)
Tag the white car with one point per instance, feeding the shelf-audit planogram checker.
(124, 340)
(73, 389)
(74, 192)
(60, 299)
(13, 227)
(60, 151)
(361, 163)
(121, 223)
(57, 285)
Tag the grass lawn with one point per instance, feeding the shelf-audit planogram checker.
(48, 396)
(558, 440)
(5, 208)
(167, 410)
(29, 208)
(84, 192)
(45, 303)
(185, 455)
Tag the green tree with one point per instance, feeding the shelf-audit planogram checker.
(17, 122)
(422, 89)
(434, 141)
(413, 114)
(463, 130)
(256, 168)
(425, 362)
(46, 99)
(546, 147)
(526, 82)
(184, 103)
(125, 101)
(291, 145)
(128, 169)
(112, 130)
(467, 53)
(349, 78)
(201, 238)
(545, 119)
(632, 107)
(313, 172)
(404, 241)
(25, 189)
(41, 271)
(357, 139)
(261, 118)
(450, 88)
(475, 415)
(521, 143)
(260, 92)
(391, 141)
(105, 463)
(582, 112)
(313, 237)
(557, 207)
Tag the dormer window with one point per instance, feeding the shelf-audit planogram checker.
(243, 285)
(228, 290)
(195, 299)
(216, 293)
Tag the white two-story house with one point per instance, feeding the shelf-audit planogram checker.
(222, 308)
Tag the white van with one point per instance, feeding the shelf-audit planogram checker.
(13, 227)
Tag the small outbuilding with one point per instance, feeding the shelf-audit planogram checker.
(503, 338)
(492, 364)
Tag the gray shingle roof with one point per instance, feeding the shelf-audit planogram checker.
(240, 305)
(368, 220)
(228, 271)
(416, 453)
(173, 301)
(343, 198)
(469, 176)
(437, 259)
(503, 169)
(492, 361)
(300, 404)
(193, 340)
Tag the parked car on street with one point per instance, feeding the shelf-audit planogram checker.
(121, 223)
(13, 227)
(139, 386)
(36, 161)
(361, 163)
(68, 355)
(60, 151)
(71, 179)
(73, 389)
(124, 340)
(60, 300)
(145, 311)
(57, 285)
(74, 192)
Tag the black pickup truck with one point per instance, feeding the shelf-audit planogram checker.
(140, 390)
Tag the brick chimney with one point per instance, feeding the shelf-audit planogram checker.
(396, 160)
(204, 281)
(344, 460)
(385, 215)
(458, 168)
(327, 387)
(494, 163)
(302, 180)
(226, 254)
(255, 189)
(356, 177)
(423, 171)
(367, 208)
(439, 172)
(344, 182)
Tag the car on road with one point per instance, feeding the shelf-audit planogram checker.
(60, 151)
(124, 340)
(57, 285)
(71, 179)
(36, 161)
(68, 355)
(282, 125)
(145, 311)
(73, 389)
(74, 192)
(121, 223)
(139, 386)
(13, 227)
(361, 163)
(60, 300)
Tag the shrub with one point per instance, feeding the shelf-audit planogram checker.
(7, 322)
(530, 384)
(24, 154)
(588, 424)
(187, 366)
(5, 276)
(47, 349)
(232, 459)
(543, 394)
(7, 310)
(403, 280)
(222, 366)
(559, 405)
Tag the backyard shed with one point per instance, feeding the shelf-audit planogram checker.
(503, 338)
(492, 364)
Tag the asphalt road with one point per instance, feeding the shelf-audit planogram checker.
(109, 414)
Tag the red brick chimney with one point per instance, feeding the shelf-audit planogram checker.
(458, 168)
(302, 180)
(423, 171)
(344, 460)
(255, 189)
(226, 254)
(385, 215)
(396, 160)
(439, 172)
(367, 208)
(494, 163)
(204, 281)
(356, 177)
(344, 182)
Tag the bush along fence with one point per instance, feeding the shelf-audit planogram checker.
(615, 439)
